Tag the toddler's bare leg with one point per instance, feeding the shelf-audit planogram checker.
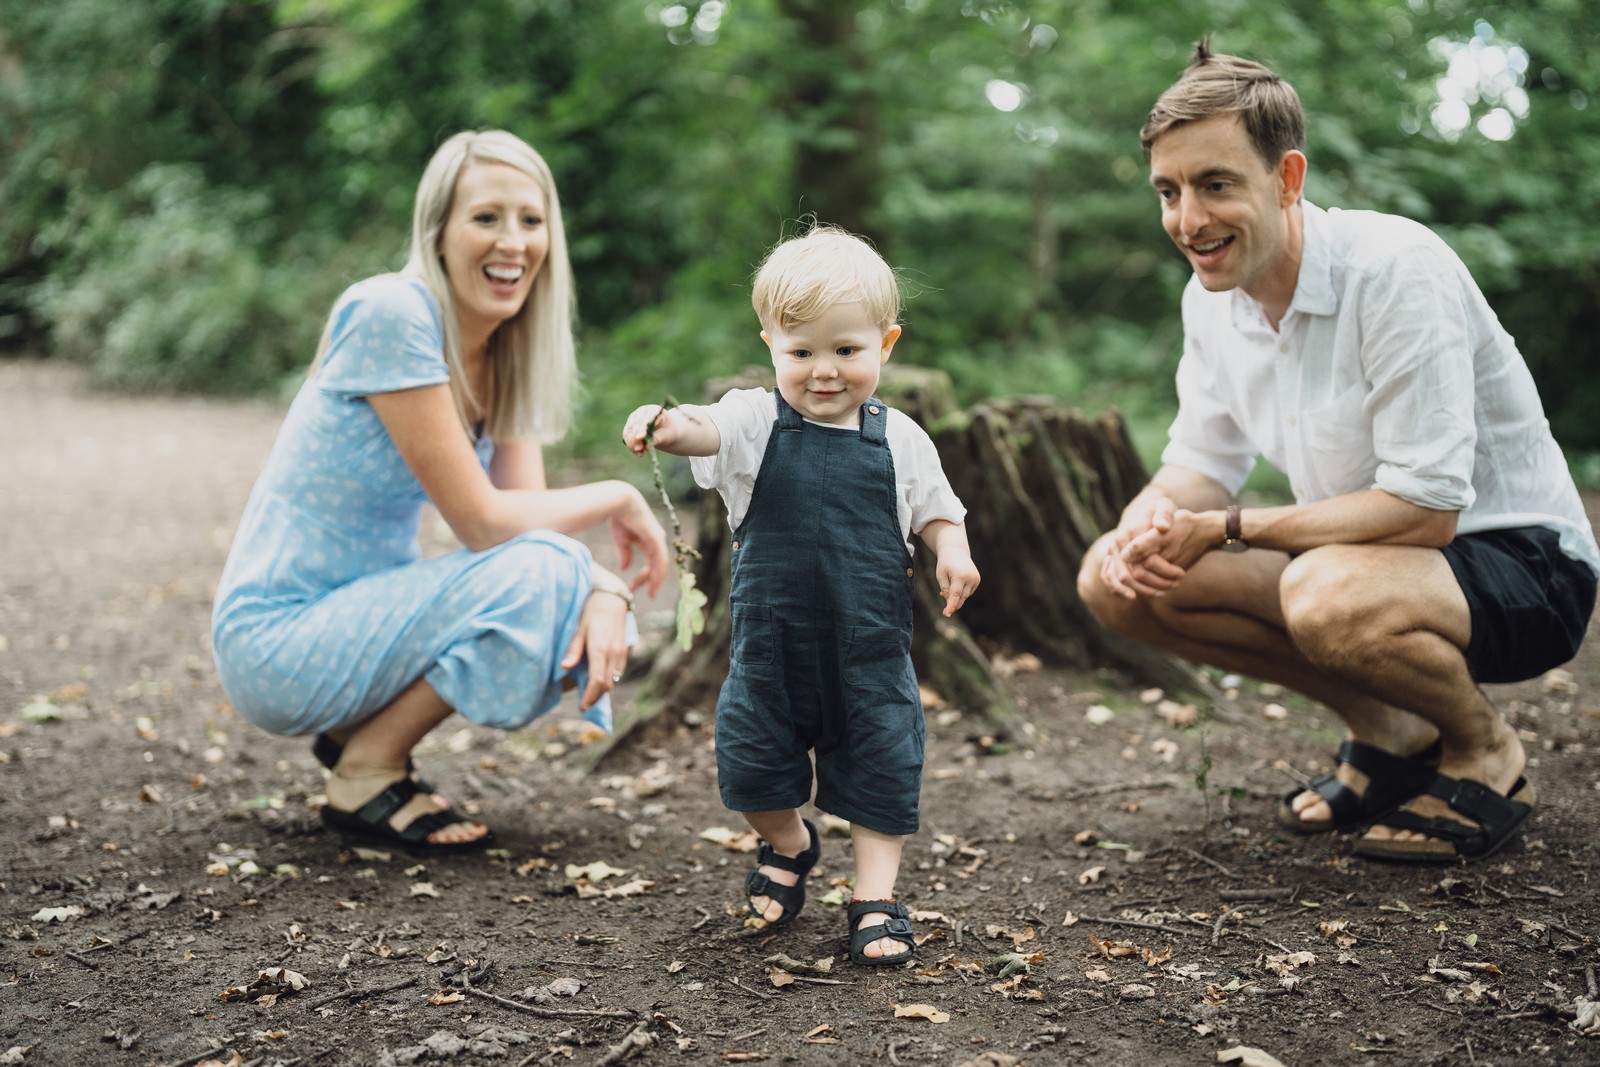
(788, 836)
(877, 867)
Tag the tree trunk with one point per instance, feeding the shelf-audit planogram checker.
(1040, 483)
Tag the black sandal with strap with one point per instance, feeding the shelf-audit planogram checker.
(896, 928)
(370, 823)
(792, 897)
(1495, 819)
(1391, 781)
(327, 752)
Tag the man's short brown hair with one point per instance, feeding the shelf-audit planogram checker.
(1215, 84)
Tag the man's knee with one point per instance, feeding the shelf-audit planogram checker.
(1332, 612)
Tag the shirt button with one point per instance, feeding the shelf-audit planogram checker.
(1290, 420)
(1284, 348)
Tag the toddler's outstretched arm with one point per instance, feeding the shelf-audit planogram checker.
(958, 575)
(680, 431)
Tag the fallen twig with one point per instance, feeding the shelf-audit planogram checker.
(752, 992)
(1279, 893)
(548, 1013)
(192, 1060)
(638, 1039)
(1142, 926)
(80, 958)
(896, 1046)
(1113, 787)
(357, 994)
(1202, 858)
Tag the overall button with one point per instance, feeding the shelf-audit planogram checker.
(872, 409)
(736, 546)
(908, 572)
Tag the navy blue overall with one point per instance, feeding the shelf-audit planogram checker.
(821, 655)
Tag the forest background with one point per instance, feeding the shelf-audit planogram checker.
(188, 184)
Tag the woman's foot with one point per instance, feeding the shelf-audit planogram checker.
(328, 749)
(350, 789)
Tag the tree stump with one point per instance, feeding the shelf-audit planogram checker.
(1040, 482)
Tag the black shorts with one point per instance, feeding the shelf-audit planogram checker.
(1530, 602)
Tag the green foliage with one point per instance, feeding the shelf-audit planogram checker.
(189, 183)
(115, 303)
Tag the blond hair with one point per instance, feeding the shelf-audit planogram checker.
(1216, 84)
(532, 359)
(803, 277)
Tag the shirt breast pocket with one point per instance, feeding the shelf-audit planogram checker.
(1337, 438)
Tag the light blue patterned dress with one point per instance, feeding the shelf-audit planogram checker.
(326, 612)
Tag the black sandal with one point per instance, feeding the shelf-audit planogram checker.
(371, 823)
(327, 752)
(1497, 818)
(1391, 781)
(792, 897)
(897, 928)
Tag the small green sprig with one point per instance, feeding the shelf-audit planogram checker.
(691, 615)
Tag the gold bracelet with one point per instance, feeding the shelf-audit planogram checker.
(626, 595)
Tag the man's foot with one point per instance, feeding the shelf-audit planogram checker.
(1499, 769)
(777, 886)
(352, 792)
(1366, 783)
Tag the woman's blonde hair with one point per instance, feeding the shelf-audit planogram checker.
(804, 276)
(533, 368)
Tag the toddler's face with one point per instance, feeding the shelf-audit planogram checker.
(828, 367)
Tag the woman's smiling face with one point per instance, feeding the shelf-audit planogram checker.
(493, 243)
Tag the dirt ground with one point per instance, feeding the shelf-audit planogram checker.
(158, 853)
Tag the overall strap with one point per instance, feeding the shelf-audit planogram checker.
(875, 421)
(788, 417)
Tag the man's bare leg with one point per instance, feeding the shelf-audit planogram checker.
(1391, 667)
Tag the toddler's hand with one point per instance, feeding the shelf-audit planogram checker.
(958, 580)
(638, 426)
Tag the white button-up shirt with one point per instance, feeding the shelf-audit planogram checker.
(1388, 371)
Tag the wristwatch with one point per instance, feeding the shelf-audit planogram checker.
(1233, 531)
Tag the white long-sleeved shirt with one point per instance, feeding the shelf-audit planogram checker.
(1388, 371)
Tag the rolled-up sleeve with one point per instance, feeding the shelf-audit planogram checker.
(1417, 357)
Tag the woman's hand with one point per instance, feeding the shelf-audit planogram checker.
(602, 637)
(635, 525)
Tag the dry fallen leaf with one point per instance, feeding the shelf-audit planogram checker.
(57, 915)
(1091, 876)
(921, 1011)
(820, 1035)
(423, 889)
(779, 977)
(447, 998)
(1113, 949)
(1248, 1057)
(598, 871)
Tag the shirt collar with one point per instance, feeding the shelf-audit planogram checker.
(1313, 289)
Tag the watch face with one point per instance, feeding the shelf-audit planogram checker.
(1234, 546)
